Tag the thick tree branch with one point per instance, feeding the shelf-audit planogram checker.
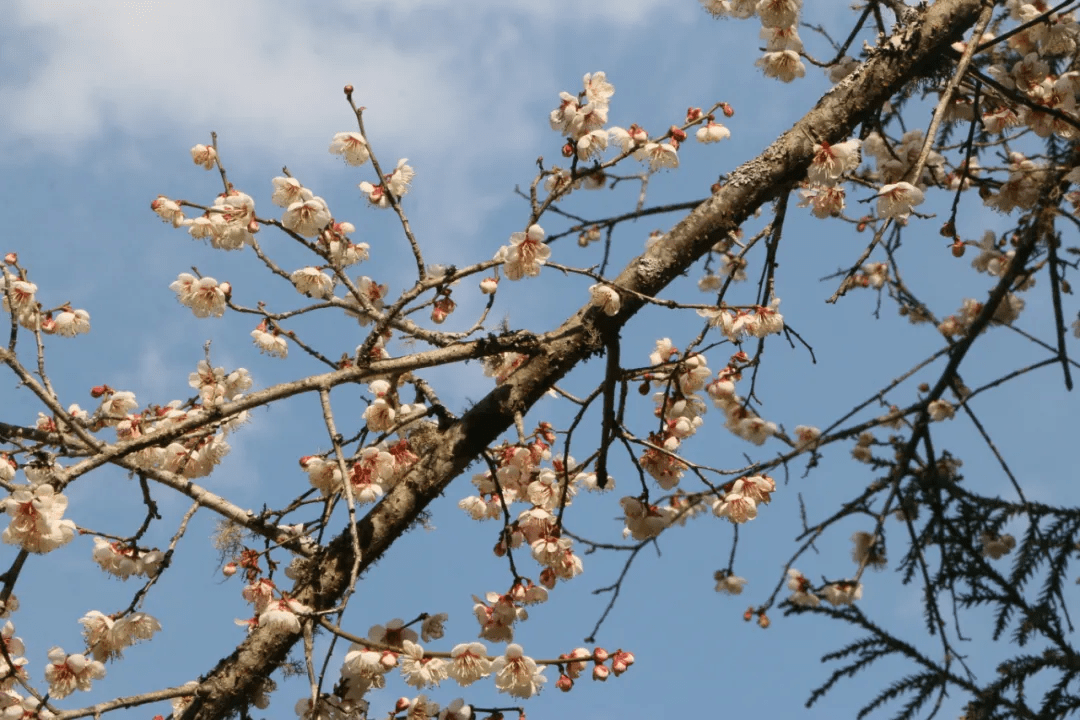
(915, 50)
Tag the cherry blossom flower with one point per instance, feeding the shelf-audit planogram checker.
(68, 673)
(525, 254)
(468, 663)
(897, 199)
(517, 674)
(352, 146)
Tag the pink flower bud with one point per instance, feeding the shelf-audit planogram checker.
(489, 285)
(621, 660)
(99, 390)
(600, 654)
(11, 258)
(564, 683)
(548, 578)
(600, 672)
(728, 110)
(692, 114)
(402, 703)
(229, 570)
(568, 150)
(678, 133)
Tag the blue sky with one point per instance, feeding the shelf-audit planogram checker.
(99, 104)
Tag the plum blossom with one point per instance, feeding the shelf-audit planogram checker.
(606, 298)
(123, 561)
(832, 161)
(68, 673)
(418, 670)
(712, 132)
(287, 191)
(525, 254)
(106, 638)
(313, 282)
(800, 589)
(271, 343)
(736, 507)
(37, 523)
(994, 546)
(897, 199)
(352, 146)
(845, 592)
(307, 217)
(168, 210)
(70, 323)
(432, 627)
(728, 583)
(205, 296)
(784, 65)
(468, 663)
(204, 156)
(517, 674)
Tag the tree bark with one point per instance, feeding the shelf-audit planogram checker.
(916, 49)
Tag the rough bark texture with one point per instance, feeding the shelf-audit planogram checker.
(914, 50)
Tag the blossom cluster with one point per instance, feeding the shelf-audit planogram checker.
(107, 637)
(779, 30)
(18, 296)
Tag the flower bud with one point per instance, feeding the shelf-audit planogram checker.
(568, 150)
(692, 114)
(402, 703)
(600, 672)
(229, 570)
(600, 654)
(11, 258)
(564, 683)
(728, 110)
